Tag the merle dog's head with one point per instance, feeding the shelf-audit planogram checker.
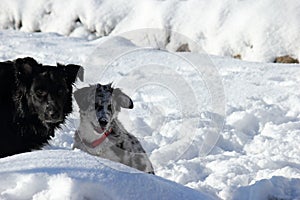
(46, 90)
(102, 101)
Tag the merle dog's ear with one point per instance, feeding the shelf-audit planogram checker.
(82, 97)
(122, 99)
(72, 72)
(26, 68)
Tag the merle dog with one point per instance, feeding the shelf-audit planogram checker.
(34, 100)
(100, 133)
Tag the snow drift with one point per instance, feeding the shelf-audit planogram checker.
(255, 31)
(62, 174)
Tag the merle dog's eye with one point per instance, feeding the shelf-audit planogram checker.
(98, 107)
(109, 107)
(41, 93)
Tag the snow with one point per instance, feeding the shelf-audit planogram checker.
(255, 31)
(64, 174)
(275, 188)
(221, 127)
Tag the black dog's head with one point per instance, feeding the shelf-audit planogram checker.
(102, 101)
(46, 90)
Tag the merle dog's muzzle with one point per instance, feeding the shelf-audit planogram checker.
(102, 119)
(103, 122)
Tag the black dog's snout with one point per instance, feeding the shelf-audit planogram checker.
(103, 122)
(52, 113)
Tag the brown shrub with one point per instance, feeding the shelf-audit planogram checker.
(286, 59)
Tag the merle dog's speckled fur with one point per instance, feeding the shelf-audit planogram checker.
(99, 107)
(34, 100)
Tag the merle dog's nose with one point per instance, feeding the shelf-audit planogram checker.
(103, 122)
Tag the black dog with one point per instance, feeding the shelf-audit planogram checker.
(34, 100)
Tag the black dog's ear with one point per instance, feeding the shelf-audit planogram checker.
(82, 97)
(26, 68)
(72, 72)
(122, 99)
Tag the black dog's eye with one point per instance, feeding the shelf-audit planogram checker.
(60, 92)
(41, 93)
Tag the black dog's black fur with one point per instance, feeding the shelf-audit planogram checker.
(34, 100)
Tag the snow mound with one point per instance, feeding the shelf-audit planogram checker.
(256, 31)
(62, 174)
(272, 189)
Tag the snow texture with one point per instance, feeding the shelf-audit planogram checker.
(64, 174)
(255, 31)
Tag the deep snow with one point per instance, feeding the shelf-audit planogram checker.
(63, 174)
(257, 31)
(259, 139)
